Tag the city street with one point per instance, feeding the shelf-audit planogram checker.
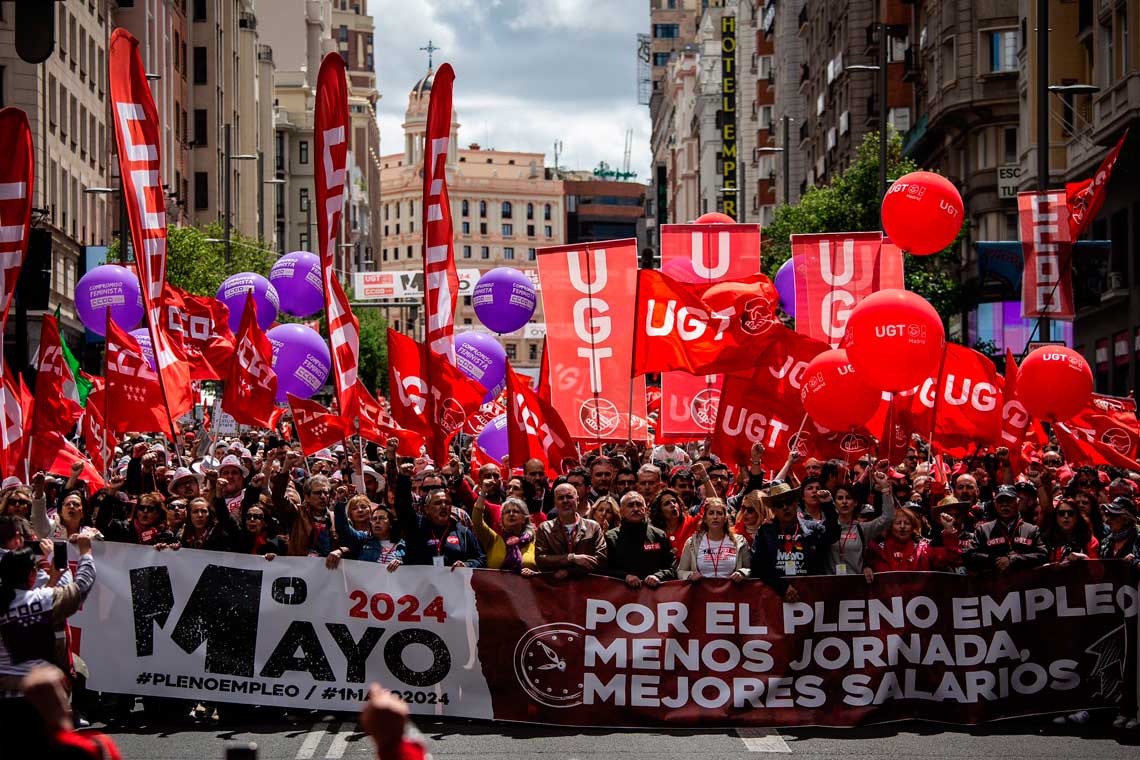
(335, 737)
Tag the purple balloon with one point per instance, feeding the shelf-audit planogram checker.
(142, 335)
(297, 278)
(480, 357)
(786, 286)
(504, 300)
(232, 294)
(109, 287)
(301, 360)
(494, 440)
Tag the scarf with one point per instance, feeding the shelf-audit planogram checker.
(513, 562)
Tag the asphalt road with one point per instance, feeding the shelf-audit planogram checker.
(336, 737)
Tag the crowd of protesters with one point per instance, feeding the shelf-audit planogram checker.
(643, 515)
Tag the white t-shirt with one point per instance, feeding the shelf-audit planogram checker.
(672, 458)
(716, 559)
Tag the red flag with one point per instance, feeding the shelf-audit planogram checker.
(1047, 282)
(701, 328)
(96, 440)
(199, 329)
(134, 397)
(1082, 448)
(57, 406)
(317, 427)
(834, 272)
(1110, 421)
(441, 282)
(589, 299)
(704, 254)
(17, 173)
(17, 406)
(332, 128)
(474, 424)
(138, 140)
(377, 426)
(1016, 421)
(896, 437)
(51, 452)
(535, 431)
(456, 395)
(963, 400)
(1085, 198)
(252, 385)
(543, 388)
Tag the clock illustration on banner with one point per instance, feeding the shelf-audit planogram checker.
(548, 664)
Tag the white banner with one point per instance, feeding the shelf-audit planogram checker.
(369, 286)
(227, 627)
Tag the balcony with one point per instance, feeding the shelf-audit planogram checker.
(911, 65)
(1115, 106)
(805, 132)
(803, 17)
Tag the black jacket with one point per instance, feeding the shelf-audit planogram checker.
(992, 539)
(640, 549)
(808, 550)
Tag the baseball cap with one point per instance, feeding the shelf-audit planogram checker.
(1006, 492)
(1121, 505)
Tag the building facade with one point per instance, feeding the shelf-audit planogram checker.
(504, 207)
(600, 209)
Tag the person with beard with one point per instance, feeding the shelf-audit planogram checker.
(681, 480)
(638, 551)
(601, 478)
(791, 545)
(434, 537)
(312, 534)
(624, 482)
(541, 499)
(1008, 542)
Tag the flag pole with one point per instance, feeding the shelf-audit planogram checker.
(106, 394)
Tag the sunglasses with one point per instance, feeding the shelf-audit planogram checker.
(747, 509)
(320, 493)
(254, 517)
(146, 508)
(20, 502)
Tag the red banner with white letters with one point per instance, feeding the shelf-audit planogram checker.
(17, 172)
(199, 328)
(961, 403)
(332, 129)
(834, 272)
(701, 253)
(138, 141)
(441, 282)
(251, 387)
(134, 397)
(535, 430)
(1047, 282)
(588, 295)
(1110, 421)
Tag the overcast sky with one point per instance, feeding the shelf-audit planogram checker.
(527, 73)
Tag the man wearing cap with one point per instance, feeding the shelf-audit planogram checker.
(185, 483)
(1120, 540)
(1008, 542)
(639, 552)
(963, 527)
(791, 545)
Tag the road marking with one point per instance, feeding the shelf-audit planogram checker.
(313, 740)
(339, 744)
(763, 740)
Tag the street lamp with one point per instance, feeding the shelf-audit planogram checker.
(228, 169)
(881, 68)
(787, 151)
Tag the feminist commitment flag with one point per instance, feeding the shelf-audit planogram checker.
(588, 295)
(701, 254)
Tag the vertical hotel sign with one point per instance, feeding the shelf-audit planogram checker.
(728, 114)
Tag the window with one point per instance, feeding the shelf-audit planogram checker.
(485, 252)
(342, 34)
(765, 66)
(532, 352)
(530, 254)
(666, 31)
(201, 127)
(546, 212)
(409, 251)
(465, 208)
(549, 231)
(506, 210)
(509, 254)
(530, 211)
(820, 105)
(983, 149)
(303, 151)
(201, 190)
(661, 59)
(482, 228)
(199, 10)
(303, 238)
(899, 118)
(51, 99)
(765, 117)
(1009, 145)
(396, 253)
(199, 65)
(1001, 50)
(466, 228)
(512, 351)
(303, 198)
(483, 209)
(466, 251)
(949, 64)
(530, 230)
(384, 256)
(508, 229)
(466, 300)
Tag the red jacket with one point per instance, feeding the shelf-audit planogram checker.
(892, 554)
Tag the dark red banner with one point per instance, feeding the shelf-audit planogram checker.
(17, 171)
(933, 646)
(1047, 283)
(441, 282)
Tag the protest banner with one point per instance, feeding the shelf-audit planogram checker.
(485, 644)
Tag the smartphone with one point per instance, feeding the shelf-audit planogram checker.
(59, 555)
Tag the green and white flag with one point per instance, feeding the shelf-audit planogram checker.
(77, 386)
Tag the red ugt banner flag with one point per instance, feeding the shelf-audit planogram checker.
(199, 328)
(332, 129)
(701, 253)
(138, 138)
(963, 401)
(134, 397)
(535, 430)
(251, 388)
(588, 295)
(17, 171)
(1047, 283)
(377, 426)
(1085, 198)
(834, 272)
(441, 282)
(1111, 422)
(17, 407)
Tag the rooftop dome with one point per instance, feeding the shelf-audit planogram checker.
(424, 85)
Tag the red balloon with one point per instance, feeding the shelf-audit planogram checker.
(895, 340)
(714, 217)
(834, 396)
(922, 213)
(1054, 383)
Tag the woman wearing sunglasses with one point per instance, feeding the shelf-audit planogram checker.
(259, 532)
(752, 515)
(1068, 534)
(143, 522)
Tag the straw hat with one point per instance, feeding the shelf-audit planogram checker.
(778, 493)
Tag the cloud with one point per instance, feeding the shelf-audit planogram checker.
(528, 72)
